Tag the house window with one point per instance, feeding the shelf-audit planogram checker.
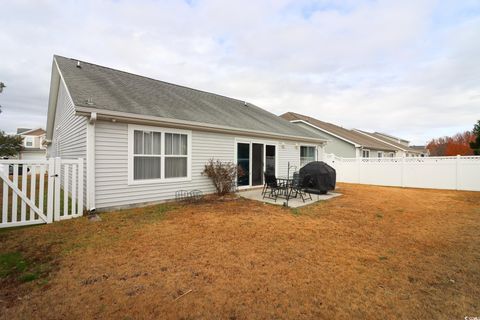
(366, 153)
(28, 142)
(176, 156)
(147, 156)
(307, 154)
(158, 154)
(379, 154)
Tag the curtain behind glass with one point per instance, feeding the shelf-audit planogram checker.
(175, 167)
(175, 144)
(146, 168)
(137, 142)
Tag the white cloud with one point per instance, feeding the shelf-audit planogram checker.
(406, 67)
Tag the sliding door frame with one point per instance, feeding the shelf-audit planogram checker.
(250, 142)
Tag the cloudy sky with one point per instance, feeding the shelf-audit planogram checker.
(409, 68)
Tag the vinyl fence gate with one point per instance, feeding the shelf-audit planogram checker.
(40, 191)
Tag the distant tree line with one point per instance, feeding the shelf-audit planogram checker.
(464, 144)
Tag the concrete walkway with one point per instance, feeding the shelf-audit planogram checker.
(256, 194)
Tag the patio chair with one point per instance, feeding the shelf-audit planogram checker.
(298, 186)
(271, 188)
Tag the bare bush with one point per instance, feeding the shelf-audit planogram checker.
(223, 175)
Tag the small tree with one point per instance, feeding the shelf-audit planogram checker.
(10, 145)
(475, 145)
(222, 174)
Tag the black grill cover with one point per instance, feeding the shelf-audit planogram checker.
(318, 177)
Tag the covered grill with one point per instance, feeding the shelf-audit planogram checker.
(318, 177)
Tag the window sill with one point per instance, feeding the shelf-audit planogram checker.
(158, 181)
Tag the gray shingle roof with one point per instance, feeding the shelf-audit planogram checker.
(396, 144)
(347, 134)
(120, 91)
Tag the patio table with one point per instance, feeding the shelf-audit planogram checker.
(287, 183)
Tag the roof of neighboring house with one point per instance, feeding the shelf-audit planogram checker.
(32, 132)
(105, 89)
(21, 130)
(345, 134)
(386, 140)
(419, 148)
(390, 137)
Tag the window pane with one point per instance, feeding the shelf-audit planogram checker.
(307, 154)
(175, 167)
(168, 143)
(183, 146)
(146, 168)
(138, 142)
(147, 142)
(270, 159)
(243, 161)
(157, 142)
(176, 144)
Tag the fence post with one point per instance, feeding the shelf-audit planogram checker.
(57, 175)
(457, 165)
(80, 187)
(402, 173)
(50, 189)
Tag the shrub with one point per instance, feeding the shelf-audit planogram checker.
(223, 175)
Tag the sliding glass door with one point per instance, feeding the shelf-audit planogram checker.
(243, 162)
(254, 159)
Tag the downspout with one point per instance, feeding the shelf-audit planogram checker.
(91, 162)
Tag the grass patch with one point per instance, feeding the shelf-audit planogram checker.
(11, 263)
(16, 266)
(296, 211)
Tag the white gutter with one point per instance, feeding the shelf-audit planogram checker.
(90, 162)
(328, 132)
(185, 124)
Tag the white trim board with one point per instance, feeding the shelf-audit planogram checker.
(189, 125)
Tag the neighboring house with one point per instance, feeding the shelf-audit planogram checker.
(388, 137)
(343, 142)
(144, 139)
(401, 144)
(33, 148)
(424, 152)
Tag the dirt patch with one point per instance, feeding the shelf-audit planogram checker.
(375, 252)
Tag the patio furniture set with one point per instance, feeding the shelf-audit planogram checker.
(286, 187)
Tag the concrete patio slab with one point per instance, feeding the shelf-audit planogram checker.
(256, 194)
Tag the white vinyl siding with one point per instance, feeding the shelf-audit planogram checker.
(112, 188)
(69, 140)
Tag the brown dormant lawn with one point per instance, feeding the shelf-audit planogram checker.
(375, 252)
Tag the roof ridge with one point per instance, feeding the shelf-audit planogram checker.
(315, 119)
(149, 78)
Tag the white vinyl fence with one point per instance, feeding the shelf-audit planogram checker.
(456, 173)
(40, 191)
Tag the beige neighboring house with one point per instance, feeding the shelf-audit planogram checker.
(343, 142)
(403, 146)
(423, 149)
(33, 148)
